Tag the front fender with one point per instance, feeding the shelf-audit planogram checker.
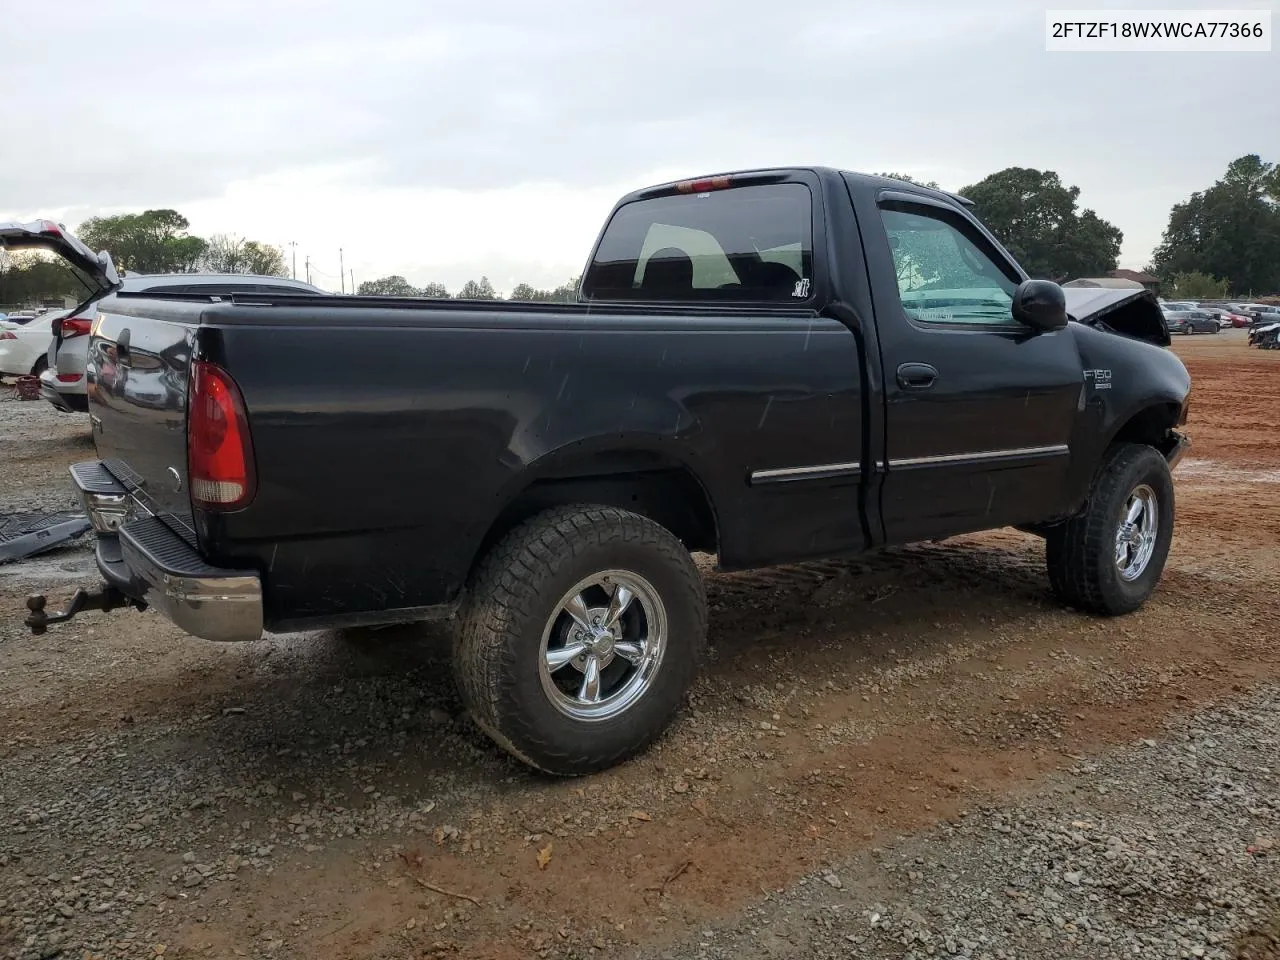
(1132, 390)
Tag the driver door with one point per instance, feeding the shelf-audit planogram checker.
(979, 408)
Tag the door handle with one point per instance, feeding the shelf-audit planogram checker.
(917, 376)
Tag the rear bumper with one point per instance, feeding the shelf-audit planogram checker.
(142, 558)
(65, 401)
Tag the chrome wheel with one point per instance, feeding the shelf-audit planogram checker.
(1136, 536)
(602, 645)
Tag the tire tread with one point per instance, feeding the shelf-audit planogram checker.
(502, 597)
(1077, 550)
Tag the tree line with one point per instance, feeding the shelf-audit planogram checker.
(153, 241)
(482, 289)
(1222, 241)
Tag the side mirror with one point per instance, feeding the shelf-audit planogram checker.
(1040, 305)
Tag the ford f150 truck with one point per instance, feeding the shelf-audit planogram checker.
(770, 366)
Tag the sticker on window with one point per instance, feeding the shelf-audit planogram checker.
(934, 314)
(801, 289)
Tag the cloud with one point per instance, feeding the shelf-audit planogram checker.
(492, 132)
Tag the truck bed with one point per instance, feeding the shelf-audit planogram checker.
(407, 396)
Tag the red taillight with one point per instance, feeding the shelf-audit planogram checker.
(702, 186)
(75, 327)
(8, 335)
(69, 377)
(219, 453)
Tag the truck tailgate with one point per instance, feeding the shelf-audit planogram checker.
(137, 372)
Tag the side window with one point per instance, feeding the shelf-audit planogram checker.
(944, 275)
(751, 242)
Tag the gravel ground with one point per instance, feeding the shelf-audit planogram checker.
(319, 794)
(32, 432)
(1162, 850)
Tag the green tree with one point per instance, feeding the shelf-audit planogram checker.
(154, 241)
(478, 290)
(225, 253)
(392, 286)
(436, 290)
(1198, 286)
(567, 292)
(264, 260)
(1232, 229)
(1034, 215)
(931, 184)
(29, 277)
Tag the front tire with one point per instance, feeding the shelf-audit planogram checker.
(583, 629)
(1109, 559)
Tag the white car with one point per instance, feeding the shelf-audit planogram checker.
(63, 381)
(24, 347)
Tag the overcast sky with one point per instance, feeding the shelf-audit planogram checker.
(442, 139)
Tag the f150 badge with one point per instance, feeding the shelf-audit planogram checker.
(1101, 379)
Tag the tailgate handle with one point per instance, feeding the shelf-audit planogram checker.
(122, 347)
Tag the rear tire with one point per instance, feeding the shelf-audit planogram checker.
(1109, 559)
(40, 366)
(544, 666)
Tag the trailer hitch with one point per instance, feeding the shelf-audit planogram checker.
(106, 599)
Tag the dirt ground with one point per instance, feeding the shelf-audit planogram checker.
(345, 809)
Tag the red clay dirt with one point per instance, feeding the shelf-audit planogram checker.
(847, 702)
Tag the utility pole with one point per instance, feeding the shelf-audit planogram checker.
(294, 245)
(353, 281)
(308, 264)
(342, 272)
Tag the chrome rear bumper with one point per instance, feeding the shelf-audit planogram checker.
(143, 558)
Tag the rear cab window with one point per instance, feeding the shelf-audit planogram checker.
(746, 243)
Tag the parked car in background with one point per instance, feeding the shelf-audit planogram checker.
(1256, 312)
(19, 317)
(1215, 310)
(23, 349)
(1190, 321)
(62, 382)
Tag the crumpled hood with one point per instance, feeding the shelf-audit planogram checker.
(1128, 311)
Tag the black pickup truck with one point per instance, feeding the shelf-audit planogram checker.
(769, 366)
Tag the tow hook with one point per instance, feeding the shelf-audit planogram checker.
(106, 600)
